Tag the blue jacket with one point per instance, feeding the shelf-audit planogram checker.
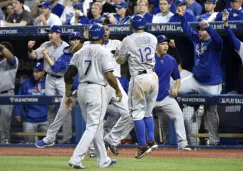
(234, 15)
(187, 15)
(124, 82)
(233, 39)
(207, 55)
(148, 17)
(32, 113)
(62, 64)
(165, 68)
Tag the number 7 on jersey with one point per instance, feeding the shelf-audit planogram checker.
(88, 67)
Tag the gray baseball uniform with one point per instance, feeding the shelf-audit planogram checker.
(92, 61)
(55, 83)
(7, 73)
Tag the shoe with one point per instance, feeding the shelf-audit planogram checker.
(187, 148)
(209, 143)
(42, 144)
(153, 145)
(142, 151)
(112, 148)
(76, 166)
(92, 155)
(113, 162)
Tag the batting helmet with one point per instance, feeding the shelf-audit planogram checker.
(138, 22)
(96, 32)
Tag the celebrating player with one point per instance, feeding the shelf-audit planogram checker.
(63, 114)
(166, 67)
(52, 49)
(207, 73)
(94, 66)
(139, 49)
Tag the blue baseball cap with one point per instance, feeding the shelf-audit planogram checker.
(74, 35)
(122, 5)
(39, 66)
(45, 4)
(180, 2)
(162, 38)
(212, 1)
(78, 5)
(54, 28)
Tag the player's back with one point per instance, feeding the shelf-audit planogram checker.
(92, 61)
(140, 51)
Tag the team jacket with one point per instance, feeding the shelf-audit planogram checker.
(32, 113)
(207, 66)
(187, 15)
(233, 15)
(62, 64)
(165, 68)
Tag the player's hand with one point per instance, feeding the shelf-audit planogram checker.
(45, 51)
(225, 16)
(204, 24)
(42, 17)
(116, 52)
(31, 44)
(172, 43)
(17, 118)
(69, 103)
(119, 95)
(174, 92)
(179, 12)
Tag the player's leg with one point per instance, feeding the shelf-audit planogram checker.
(212, 114)
(188, 83)
(67, 122)
(29, 128)
(137, 108)
(124, 124)
(93, 109)
(112, 117)
(150, 96)
(5, 118)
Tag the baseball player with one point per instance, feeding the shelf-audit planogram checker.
(207, 73)
(54, 80)
(124, 124)
(8, 68)
(34, 116)
(94, 66)
(166, 67)
(139, 49)
(237, 44)
(63, 113)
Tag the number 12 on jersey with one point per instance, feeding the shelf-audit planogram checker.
(145, 54)
(88, 67)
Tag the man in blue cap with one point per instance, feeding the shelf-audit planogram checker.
(181, 6)
(166, 67)
(210, 15)
(54, 80)
(47, 18)
(63, 113)
(34, 116)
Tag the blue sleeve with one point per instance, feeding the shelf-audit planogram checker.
(13, 63)
(175, 73)
(191, 34)
(59, 65)
(199, 19)
(191, 18)
(217, 40)
(17, 108)
(233, 39)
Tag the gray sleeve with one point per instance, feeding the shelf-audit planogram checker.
(123, 52)
(74, 60)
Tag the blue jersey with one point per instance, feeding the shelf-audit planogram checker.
(234, 15)
(204, 17)
(62, 64)
(233, 39)
(148, 17)
(58, 9)
(93, 21)
(165, 68)
(81, 20)
(194, 9)
(32, 113)
(176, 18)
(124, 82)
(207, 68)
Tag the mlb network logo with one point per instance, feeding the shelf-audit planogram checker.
(11, 99)
(224, 100)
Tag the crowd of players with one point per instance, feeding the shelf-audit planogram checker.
(144, 95)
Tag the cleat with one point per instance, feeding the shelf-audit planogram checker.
(76, 166)
(153, 145)
(42, 144)
(112, 148)
(92, 155)
(142, 151)
(113, 162)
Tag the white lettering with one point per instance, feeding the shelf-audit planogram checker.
(8, 31)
